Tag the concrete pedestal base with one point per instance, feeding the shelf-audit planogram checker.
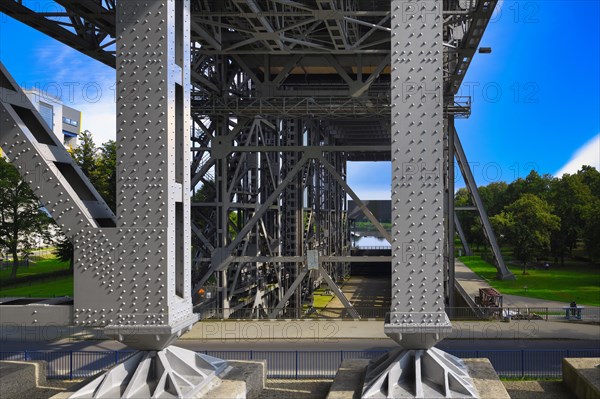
(582, 377)
(169, 373)
(349, 380)
(246, 379)
(241, 380)
(417, 373)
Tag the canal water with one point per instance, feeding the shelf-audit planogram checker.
(369, 240)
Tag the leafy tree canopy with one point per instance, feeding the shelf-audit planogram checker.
(527, 224)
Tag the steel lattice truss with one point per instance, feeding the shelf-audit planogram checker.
(284, 94)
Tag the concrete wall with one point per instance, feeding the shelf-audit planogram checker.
(582, 377)
(35, 314)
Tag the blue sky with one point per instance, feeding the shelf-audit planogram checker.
(535, 98)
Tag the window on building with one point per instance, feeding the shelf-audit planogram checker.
(71, 122)
(47, 113)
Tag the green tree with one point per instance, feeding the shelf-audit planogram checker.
(527, 225)
(591, 212)
(20, 213)
(462, 197)
(493, 197)
(570, 198)
(532, 184)
(476, 232)
(104, 177)
(591, 230)
(590, 176)
(85, 154)
(99, 165)
(64, 250)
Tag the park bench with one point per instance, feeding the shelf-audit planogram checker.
(574, 311)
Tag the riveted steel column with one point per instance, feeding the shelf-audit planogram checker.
(417, 319)
(147, 281)
(153, 240)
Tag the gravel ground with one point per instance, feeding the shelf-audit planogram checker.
(296, 389)
(50, 388)
(318, 389)
(275, 389)
(537, 390)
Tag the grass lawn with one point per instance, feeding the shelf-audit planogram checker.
(61, 286)
(41, 266)
(564, 284)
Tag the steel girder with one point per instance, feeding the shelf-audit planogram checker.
(87, 26)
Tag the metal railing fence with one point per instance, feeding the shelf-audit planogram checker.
(378, 313)
(517, 363)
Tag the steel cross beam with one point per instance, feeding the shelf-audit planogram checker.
(94, 12)
(92, 26)
(478, 18)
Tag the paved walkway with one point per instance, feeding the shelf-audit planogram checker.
(332, 330)
(370, 293)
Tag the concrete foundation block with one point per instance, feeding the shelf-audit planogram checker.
(349, 380)
(246, 379)
(486, 379)
(582, 377)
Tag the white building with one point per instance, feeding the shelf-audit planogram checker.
(64, 121)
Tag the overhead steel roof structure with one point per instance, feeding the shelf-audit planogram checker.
(280, 95)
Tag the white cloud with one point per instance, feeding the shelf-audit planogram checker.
(588, 154)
